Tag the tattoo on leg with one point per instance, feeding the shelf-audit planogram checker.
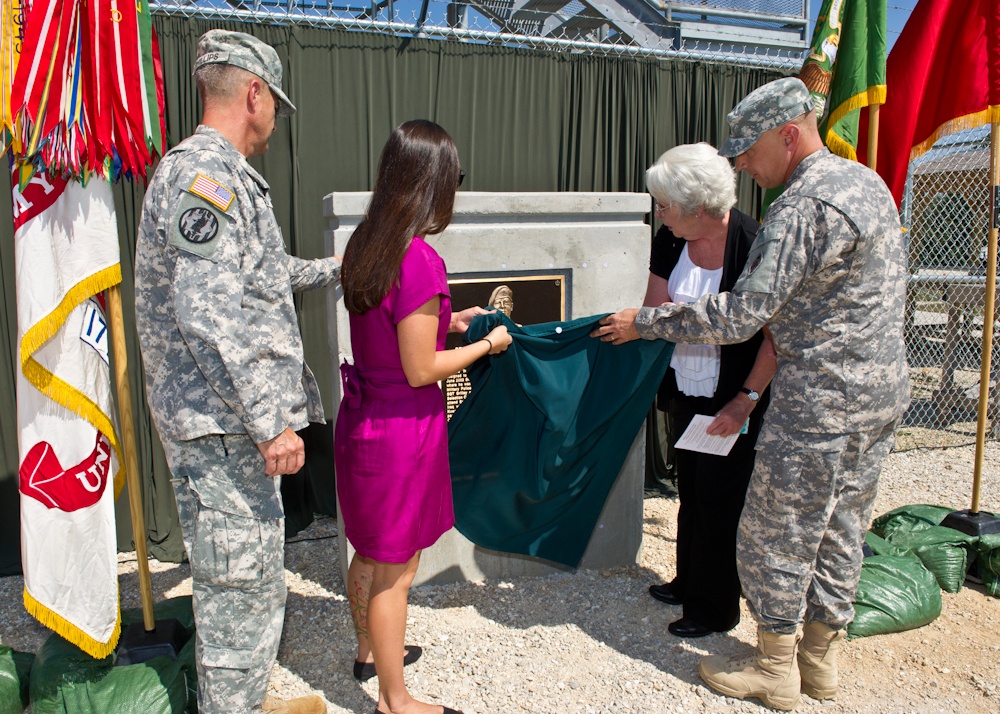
(359, 604)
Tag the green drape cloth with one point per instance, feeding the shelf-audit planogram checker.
(538, 443)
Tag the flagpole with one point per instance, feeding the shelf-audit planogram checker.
(873, 135)
(972, 521)
(988, 313)
(131, 459)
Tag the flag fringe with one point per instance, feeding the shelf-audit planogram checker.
(70, 632)
(840, 146)
(990, 115)
(46, 328)
(873, 95)
(59, 390)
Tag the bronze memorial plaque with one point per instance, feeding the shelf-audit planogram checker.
(527, 298)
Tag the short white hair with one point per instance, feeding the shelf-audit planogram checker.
(692, 177)
(221, 83)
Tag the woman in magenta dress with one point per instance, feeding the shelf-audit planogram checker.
(391, 439)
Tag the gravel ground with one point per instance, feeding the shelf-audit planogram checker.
(594, 641)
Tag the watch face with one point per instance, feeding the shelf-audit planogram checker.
(754, 396)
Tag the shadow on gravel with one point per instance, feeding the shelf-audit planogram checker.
(161, 582)
(612, 607)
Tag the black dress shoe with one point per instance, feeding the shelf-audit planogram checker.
(688, 628)
(363, 671)
(663, 593)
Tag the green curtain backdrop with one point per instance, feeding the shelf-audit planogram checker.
(523, 120)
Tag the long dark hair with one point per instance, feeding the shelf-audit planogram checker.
(414, 196)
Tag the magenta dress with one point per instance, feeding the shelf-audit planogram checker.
(391, 440)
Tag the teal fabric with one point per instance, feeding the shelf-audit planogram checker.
(539, 441)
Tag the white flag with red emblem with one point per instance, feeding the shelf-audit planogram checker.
(66, 251)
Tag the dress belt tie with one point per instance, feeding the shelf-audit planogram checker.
(371, 384)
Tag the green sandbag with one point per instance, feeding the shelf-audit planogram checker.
(66, 680)
(988, 562)
(880, 546)
(946, 552)
(14, 673)
(909, 518)
(896, 593)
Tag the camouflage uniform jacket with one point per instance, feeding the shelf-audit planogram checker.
(217, 326)
(827, 273)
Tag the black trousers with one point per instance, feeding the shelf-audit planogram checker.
(712, 490)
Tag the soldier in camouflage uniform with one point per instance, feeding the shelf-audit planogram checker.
(225, 375)
(827, 274)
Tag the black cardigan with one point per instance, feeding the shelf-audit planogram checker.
(735, 361)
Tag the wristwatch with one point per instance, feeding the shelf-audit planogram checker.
(754, 396)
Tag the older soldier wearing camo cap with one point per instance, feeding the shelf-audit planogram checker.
(225, 376)
(827, 273)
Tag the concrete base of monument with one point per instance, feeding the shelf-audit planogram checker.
(615, 541)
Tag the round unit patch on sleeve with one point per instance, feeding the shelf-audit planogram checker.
(198, 225)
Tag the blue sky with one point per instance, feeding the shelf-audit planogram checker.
(896, 16)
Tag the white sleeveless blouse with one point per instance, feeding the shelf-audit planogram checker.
(695, 366)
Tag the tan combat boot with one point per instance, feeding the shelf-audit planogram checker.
(818, 660)
(771, 674)
(301, 705)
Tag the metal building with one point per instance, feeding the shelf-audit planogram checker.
(756, 32)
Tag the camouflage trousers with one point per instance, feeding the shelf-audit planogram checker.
(230, 514)
(803, 525)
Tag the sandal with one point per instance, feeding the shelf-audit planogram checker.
(363, 671)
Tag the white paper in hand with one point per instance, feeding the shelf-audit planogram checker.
(694, 438)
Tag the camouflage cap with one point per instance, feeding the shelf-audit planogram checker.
(246, 52)
(775, 104)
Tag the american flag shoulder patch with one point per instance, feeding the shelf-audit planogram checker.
(212, 191)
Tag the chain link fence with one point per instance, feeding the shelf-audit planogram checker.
(765, 33)
(946, 211)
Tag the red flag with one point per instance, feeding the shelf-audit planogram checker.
(161, 102)
(82, 97)
(98, 88)
(38, 85)
(943, 75)
(123, 33)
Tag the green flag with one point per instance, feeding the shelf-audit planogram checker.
(856, 46)
(147, 72)
(817, 69)
(844, 71)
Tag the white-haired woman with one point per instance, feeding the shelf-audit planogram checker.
(701, 249)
